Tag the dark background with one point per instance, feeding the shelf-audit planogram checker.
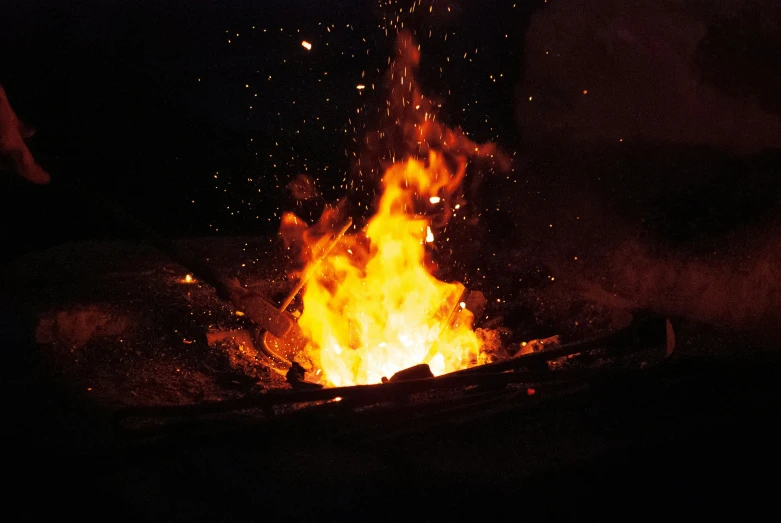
(640, 132)
(194, 116)
(145, 103)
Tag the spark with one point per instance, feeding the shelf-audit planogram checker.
(306, 45)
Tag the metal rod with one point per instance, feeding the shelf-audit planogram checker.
(310, 269)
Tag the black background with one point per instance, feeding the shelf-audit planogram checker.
(146, 101)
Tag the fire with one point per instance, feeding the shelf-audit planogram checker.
(371, 307)
(374, 308)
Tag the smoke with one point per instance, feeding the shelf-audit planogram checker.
(410, 127)
(650, 70)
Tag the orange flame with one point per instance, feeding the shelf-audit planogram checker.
(374, 308)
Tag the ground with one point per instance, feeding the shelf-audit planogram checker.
(695, 431)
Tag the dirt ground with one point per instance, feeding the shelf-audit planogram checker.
(97, 326)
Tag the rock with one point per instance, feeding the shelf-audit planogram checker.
(418, 372)
(295, 377)
(527, 347)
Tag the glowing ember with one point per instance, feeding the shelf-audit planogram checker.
(188, 278)
(306, 45)
(374, 309)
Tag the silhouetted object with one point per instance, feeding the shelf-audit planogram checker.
(295, 377)
(13, 151)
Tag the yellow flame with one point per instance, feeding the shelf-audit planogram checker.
(373, 308)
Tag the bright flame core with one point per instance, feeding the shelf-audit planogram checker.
(373, 308)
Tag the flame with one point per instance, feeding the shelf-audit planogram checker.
(371, 307)
(374, 308)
